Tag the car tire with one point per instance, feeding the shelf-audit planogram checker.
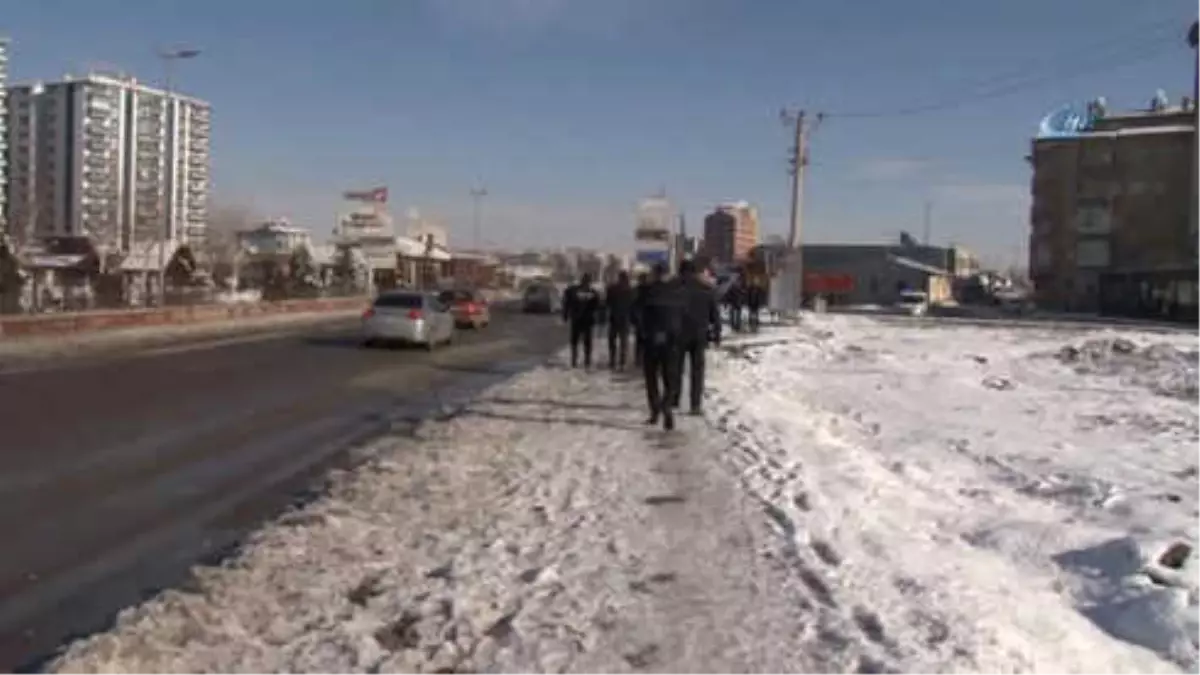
(367, 343)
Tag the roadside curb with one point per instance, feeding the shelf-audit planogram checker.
(24, 327)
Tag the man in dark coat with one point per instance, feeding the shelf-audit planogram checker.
(639, 297)
(701, 322)
(735, 298)
(756, 297)
(660, 324)
(618, 303)
(580, 306)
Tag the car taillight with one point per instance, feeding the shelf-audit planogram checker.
(472, 308)
(369, 313)
(415, 315)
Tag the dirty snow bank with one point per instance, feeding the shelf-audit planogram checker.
(1162, 367)
(543, 529)
(995, 509)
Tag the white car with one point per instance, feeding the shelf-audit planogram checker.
(913, 303)
(408, 317)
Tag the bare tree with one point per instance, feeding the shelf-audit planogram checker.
(221, 249)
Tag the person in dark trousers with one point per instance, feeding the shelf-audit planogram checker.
(756, 297)
(660, 322)
(580, 306)
(639, 293)
(735, 296)
(701, 323)
(618, 304)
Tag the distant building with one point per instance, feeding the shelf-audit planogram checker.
(655, 219)
(874, 273)
(730, 233)
(274, 238)
(1112, 228)
(108, 158)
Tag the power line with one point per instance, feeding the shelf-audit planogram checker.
(1004, 85)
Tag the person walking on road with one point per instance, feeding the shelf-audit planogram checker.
(618, 303)
(580, 306)
(639, 293)
(735, 296)
(660, 320)
(756, 297)
(701, 322)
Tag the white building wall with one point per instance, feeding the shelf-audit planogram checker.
(110, 162)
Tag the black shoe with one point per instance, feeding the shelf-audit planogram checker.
(668, 421)
(652, 419)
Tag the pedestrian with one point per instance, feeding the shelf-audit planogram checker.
(580, 306)
(639, 297)
(701, 323)
(618, 304)
(735, 296)
(660, 324)
(756, 296)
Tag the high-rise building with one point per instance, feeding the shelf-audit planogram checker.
(3, 136)
(730, 233)
(1110, 223)
(108, 158)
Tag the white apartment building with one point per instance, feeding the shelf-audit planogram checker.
(106, 157)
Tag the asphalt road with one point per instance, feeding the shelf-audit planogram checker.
(117, 472)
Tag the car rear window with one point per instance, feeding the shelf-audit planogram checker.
(456, 296)
(402, 300)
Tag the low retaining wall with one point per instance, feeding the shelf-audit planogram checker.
(80, 322)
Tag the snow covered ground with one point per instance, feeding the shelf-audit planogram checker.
(861, 496)
(1003, 499)
(544, 529)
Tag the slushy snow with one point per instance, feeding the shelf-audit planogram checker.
(863, 495)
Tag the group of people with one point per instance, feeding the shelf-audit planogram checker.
(671, 320)
(749, 293)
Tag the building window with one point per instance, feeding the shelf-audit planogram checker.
(1092, 253)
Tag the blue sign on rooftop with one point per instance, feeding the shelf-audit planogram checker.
(1068, 121)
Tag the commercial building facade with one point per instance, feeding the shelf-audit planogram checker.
(107, 158)
(1111, 219)
(730, 233)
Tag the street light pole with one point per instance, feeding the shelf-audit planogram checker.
(477, 195)
(169, 57)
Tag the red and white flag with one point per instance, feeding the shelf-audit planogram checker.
(377, 195)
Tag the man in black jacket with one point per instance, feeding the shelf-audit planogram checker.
(639, 300)
(618, 301)
(756, 297)
(701, 323)
(660, 324)
(580, 305)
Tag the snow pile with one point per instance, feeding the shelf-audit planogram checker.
(543, 529)
(1161, 367)
(995, 511)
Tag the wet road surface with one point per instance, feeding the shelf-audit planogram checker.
(119, 471)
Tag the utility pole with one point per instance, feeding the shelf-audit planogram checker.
(477, 195)
(170, 161)
(927, 223)
(798, 161)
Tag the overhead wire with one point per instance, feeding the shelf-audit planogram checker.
(1100, 56)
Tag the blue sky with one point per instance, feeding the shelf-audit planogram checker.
(570, 110)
